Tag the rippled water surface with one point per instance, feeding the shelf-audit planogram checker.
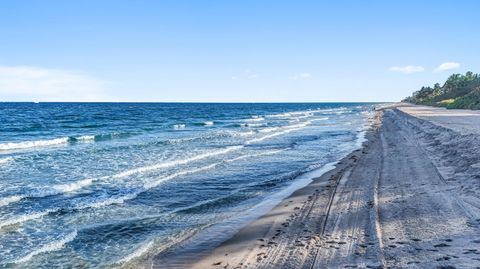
(99, 185)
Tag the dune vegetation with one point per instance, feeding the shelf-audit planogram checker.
(459, 91)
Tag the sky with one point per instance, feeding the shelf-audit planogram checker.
(232, 51)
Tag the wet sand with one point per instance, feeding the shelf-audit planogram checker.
(408, 199)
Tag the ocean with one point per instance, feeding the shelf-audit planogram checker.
(106, 184)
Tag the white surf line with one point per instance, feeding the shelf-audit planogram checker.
(107, 202)
(23, 218)
(6, 160)
(179, 126)
(292, 114)
(255, 118)
(77, 185)
(286, 127)
(269, 129)
(255, 155)
(85, 138)
(45, 142)
(56, 189)
(320, 119)
(306, 113)
(122, 199)
(157, 182)
(176, 162)
(33, 144)
(285, 131)
(10, 199)
(145, 248)
(152, 184)
(140, 251)
(50, 247)
(74, 186)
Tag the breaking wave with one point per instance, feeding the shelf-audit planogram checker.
(52, 246)
(137, 253)
(34, 144)
(6, 160)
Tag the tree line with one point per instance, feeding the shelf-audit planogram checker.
(459, 91)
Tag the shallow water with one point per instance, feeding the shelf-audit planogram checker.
(98, 185)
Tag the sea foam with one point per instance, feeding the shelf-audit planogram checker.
(10, 199)
(157, 182)
(137, 253)
(285, 130)
(176, 162)
(77, 185)
(107, 202)
(6, 160)
(74, 186)
(33, 144)
(52, 246)
(46, 142)
(179, 126)
(23, 218)
(55, 189)
(85, 138)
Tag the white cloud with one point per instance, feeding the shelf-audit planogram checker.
(407, 69)
(28, 83)
(302, 76)
(447, 66)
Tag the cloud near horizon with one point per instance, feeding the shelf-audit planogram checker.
(447, 66)
(27, 83)
(409, 69)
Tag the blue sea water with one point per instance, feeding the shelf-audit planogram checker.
(103, 184)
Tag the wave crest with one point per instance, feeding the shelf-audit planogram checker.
(33, 144)
(11, 199)
(6, 160)
(52, 246)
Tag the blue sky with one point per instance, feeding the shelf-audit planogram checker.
(232, 51)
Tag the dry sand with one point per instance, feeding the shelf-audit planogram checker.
(408, 199)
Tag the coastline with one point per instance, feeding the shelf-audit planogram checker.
(247, 246)
(256, 224)
(405, 199)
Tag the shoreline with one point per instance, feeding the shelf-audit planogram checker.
(408, 198)
(187, 256)
(253, 236)
(278, 209)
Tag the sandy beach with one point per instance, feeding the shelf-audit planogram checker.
(408, 199)
(239, 134)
